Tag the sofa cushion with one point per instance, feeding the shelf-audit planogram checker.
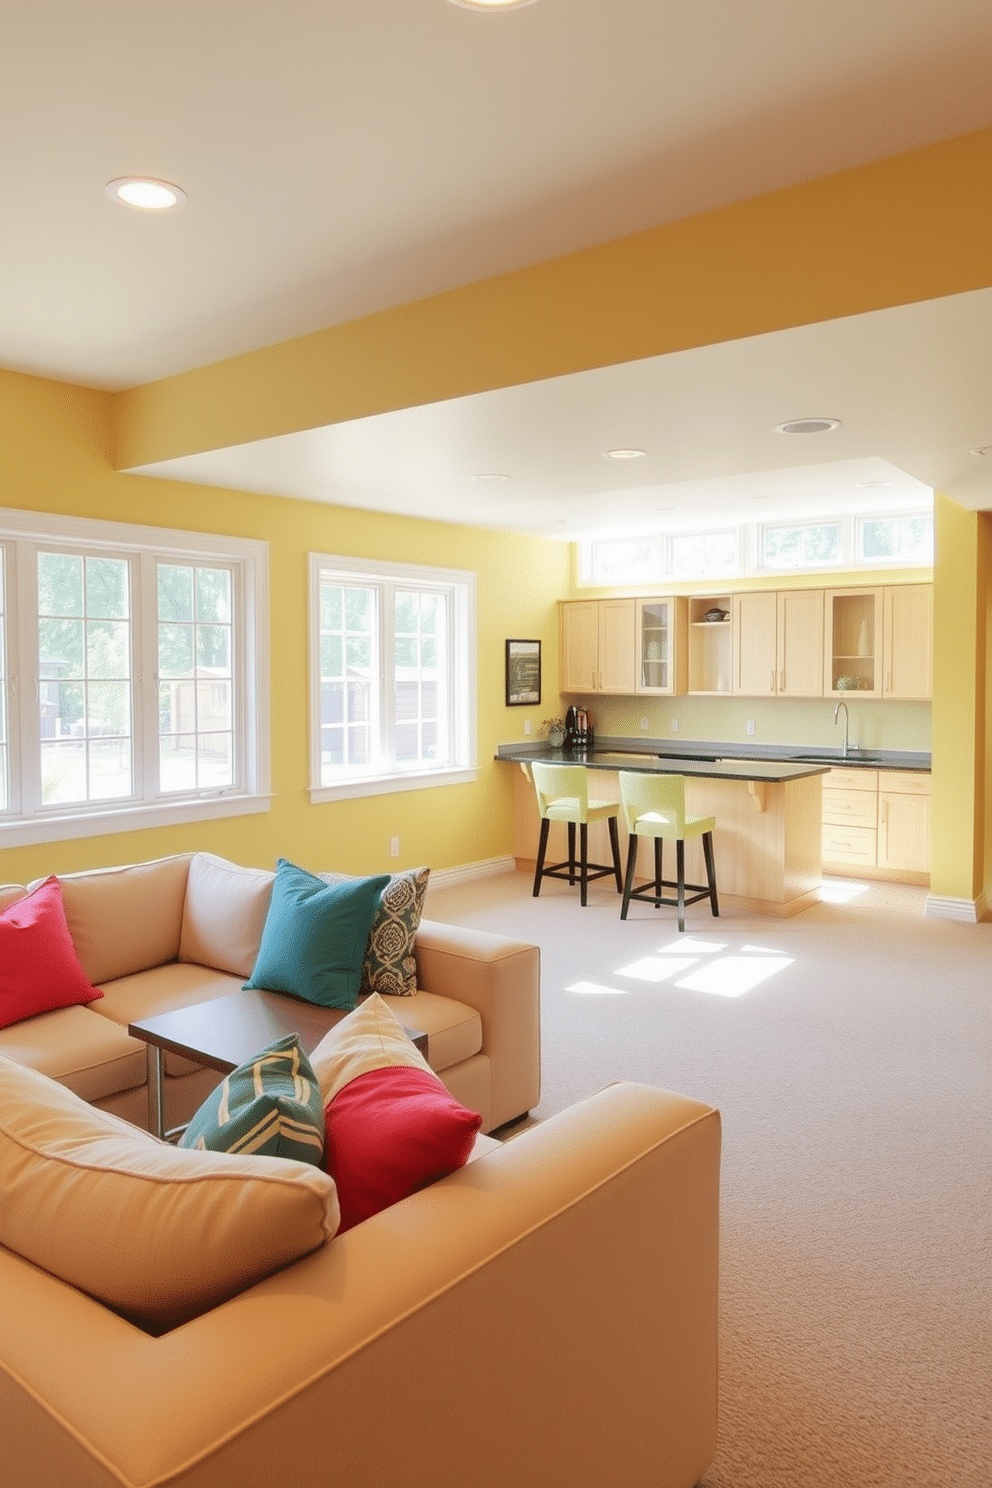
(269, 1106)
(157, 1232)
(453, 1029)
(124, 920)
(390, 965)
(224, 913)
(92, 1056)
(313, 943)
(39, 968)
(392, 1127)
(174, 985)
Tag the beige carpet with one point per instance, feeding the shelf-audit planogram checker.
(850, 1053)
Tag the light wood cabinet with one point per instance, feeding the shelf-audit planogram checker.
(852, 631)
(874, 643)
(877, 821)
(598, 644)
(778, 643)
(904, 821)
(660, 645)
(907, 641)
(710, 658)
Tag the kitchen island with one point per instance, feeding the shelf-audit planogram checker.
(767, 840)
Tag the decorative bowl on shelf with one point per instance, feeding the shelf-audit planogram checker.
(716, 614)
(849, 684)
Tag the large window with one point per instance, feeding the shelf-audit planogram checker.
(392, 676)
(133, 677)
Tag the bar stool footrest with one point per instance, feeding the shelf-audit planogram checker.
(651, 892)
(572, 874)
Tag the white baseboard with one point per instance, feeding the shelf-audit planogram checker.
(447, 878)
(970, 911)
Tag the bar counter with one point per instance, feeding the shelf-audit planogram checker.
(767, 839)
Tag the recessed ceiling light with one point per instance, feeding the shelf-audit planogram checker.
(490, 475)
(145, 193)
(871, 485)
(807, 426)
(624, 454)
(492, 4)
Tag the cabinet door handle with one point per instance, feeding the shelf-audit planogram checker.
(888, 681)
(771, 680)
(781, 680)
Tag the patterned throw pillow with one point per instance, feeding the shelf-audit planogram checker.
(270, 1106)
(390, 966)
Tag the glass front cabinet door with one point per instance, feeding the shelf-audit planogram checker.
(852, 632)
(656, 645)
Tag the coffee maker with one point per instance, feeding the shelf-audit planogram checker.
(571, 727)
(578, 729)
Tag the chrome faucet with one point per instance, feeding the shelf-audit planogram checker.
(847, 722)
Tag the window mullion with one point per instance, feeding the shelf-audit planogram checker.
(145, 678)
(26, 682)
(387, 675)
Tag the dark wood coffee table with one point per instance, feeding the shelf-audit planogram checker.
(225, 1032)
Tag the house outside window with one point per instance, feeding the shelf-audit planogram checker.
(393, 668)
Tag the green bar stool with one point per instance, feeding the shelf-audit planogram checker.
(654, 806)
(563, 795)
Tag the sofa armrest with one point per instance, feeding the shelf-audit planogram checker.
(501, 979)
(546, 1314)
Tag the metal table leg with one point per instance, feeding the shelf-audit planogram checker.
(156, 1094)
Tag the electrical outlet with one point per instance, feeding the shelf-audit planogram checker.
(644, 723)
(675, 725)
(394, 847)
(526, 725)
(750, 726)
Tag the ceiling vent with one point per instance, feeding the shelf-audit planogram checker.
(808, 426)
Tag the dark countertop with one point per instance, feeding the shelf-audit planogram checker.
(691, 757)
(773, 771)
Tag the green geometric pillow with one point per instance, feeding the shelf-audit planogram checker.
(314, 937)
(390, 965)
(269, 1107)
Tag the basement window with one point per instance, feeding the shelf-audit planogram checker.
(133, 677)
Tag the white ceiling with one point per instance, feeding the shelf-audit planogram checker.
(341, 156)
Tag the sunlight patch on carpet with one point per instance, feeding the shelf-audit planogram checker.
(686, 945)
(596, 987)
(841, 890)
(732, 976)
(656, 968)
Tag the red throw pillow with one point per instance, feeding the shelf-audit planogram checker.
(39, 968)
(391, 1132)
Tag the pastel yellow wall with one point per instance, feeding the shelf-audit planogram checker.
(56, 441)
(961, 617)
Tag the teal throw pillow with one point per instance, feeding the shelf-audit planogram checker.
(270, 1106)
(315, 934)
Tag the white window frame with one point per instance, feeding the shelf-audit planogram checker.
(462, 649)
(27, 822)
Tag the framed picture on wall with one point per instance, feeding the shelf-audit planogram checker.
(523, 673)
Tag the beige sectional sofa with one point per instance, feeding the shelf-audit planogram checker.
(545, 1315)
(180, 930)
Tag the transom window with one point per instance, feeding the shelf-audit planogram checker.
(133, 677)
(393, 675)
